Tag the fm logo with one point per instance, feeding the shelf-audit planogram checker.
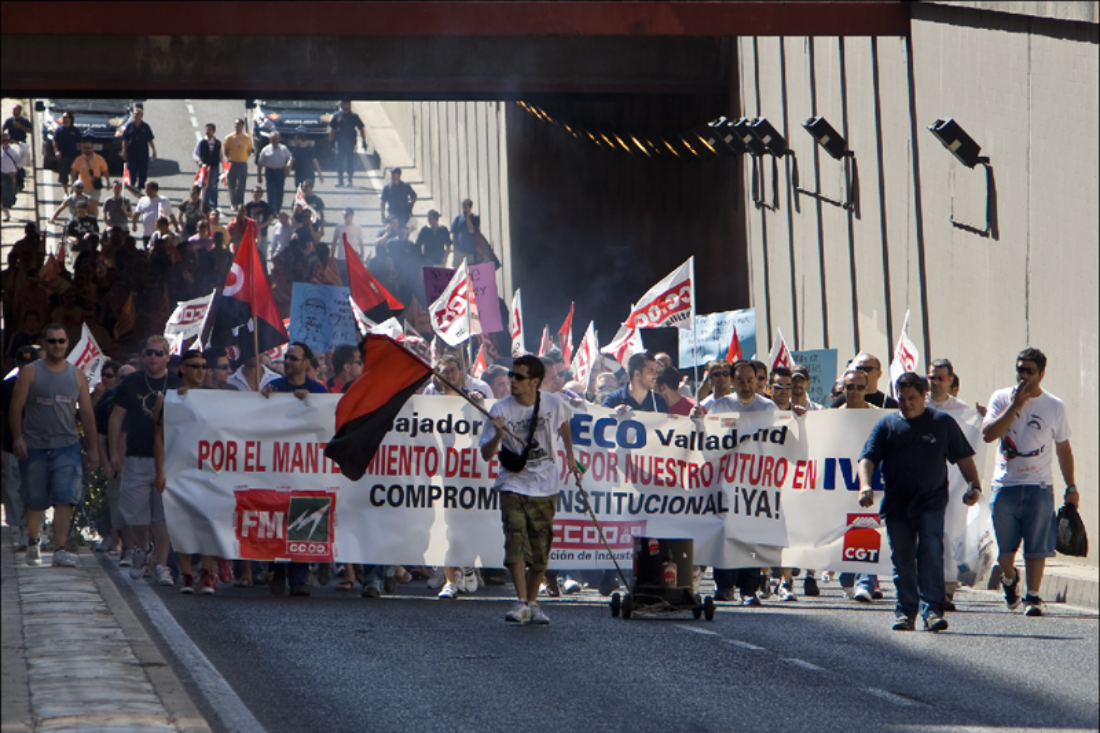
(276, 524)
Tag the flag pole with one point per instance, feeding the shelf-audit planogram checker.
(476, 405)
(694, 334)
(256, 348)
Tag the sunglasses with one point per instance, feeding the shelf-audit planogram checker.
(781, 386)
(219, 367)
(856, 387)
(866, 368)
(154, 352)
(291, 357)
(936, 378)
(1030, 371)
(108, 375)
(723, 373)
(517, 376)
(57, 341)
(195, 366)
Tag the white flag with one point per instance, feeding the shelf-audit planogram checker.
(627, 343)
(415, 343)
(587, 356)
(670, 302)
(389, 327)
(87, 356)
(365, 324)
(515, 326)
(188, 320)
(453, 316)
(906, 356)
(780, 355)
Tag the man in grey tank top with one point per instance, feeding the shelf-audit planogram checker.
(47, 443)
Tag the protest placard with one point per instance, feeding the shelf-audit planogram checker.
(711, 337)
(321, 317)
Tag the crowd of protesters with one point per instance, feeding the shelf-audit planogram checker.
(133, 260)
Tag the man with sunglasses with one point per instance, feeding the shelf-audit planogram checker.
(132, 428)
(941, 374)
(721, 383)
(872, 367)
(217, 368)
(46, 441)
(293, 381)
(1031, 425)
(528, 496)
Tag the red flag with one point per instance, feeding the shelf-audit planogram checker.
(202, 175)
(479, 364)
(224, 177)
(545, 345)
(367, 292)
(565, 336)
(247, 283)
(391, 374)
(734, 353)
(126, 175)
(492, 353)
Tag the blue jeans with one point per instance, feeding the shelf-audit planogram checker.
(863, 580)
(746, 580)
(345, 160)
(376, 575)
(211, 194)
(298, 575)
(1025, 513)
(916, 544)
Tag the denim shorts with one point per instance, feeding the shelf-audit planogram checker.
(1025, 512)
(52, 477)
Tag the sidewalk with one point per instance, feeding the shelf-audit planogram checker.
(75, 658)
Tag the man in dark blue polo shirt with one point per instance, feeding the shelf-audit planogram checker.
(640, 394)
(398, 198)
(294, 381)
(342, 131)
(913, 446)
(137, 141)
(66, 147)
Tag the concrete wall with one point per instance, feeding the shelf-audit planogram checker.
(1026, 89)
(449, 151)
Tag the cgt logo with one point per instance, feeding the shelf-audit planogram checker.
(863, 541)
(276, 524)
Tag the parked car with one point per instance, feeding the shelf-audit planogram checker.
(103, 119)
(286, 117)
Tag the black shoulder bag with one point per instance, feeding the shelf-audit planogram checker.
(513, 461)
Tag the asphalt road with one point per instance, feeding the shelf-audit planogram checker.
(338, 662)
(178, 125)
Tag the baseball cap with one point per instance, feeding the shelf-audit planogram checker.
(26, 354)
(78, 183)
(800, 371)
(395, 170)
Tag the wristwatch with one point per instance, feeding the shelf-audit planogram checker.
(1071, 489)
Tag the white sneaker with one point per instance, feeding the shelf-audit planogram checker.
(138, 567)
(436, 579)
(863, 595)
(826, 577)
(520, 614)
(537, 615)
(164, 576)
(450, 590)
(24, 539)
(127, 559)
(469, 580)
(785, 593)
(849, 593)
(62, 559)
(570, 587)
(34, 554)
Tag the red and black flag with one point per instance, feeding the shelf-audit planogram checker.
(391, 375)
(372, 298)
(247, 294)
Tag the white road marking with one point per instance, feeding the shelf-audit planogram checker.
(191, 109)
(804, 664)
(697, 630)
(891, 697)
(745, 645)
(198, 136)
(215, 689)
(194, 121)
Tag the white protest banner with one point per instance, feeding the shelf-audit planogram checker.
(759, 489)
(188, 320)
(87, 356)
(515, 326)
(453, 316)
(671, 302)
(713, 332)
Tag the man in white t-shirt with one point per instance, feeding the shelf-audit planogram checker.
(743, 399)
(1031, 425)
(151, 207)
(528, 496)
(718, 373)
(940, 375)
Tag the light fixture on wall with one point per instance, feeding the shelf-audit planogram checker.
(968, 152)
(769, 137)
(720, 137)
(743, 128)
(961, 145)
(828, 138)
(836, 146)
